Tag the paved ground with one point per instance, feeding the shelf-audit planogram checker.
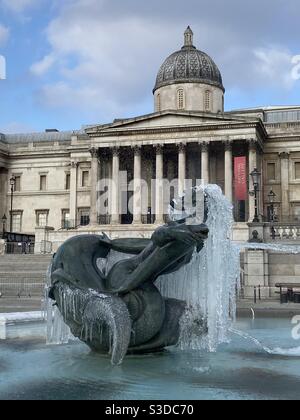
(9, 305)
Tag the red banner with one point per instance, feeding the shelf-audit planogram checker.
(240, 178)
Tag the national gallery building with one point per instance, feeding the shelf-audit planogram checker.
(49, 182)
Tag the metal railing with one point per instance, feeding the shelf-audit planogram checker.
(25, 287)
(260, 293)
(104, 219)
(46, 247)
(75, 224)
(19, 248)
(148, 219)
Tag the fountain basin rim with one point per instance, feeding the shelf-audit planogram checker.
(21, 317)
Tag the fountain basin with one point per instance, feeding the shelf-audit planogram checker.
(240, 370)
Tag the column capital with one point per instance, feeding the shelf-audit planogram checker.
(94, 152)
(137, 150)
(74, 164)
(284, 155)
(181, 147)
(204, 146)
(252, 143)
(159, 149)
(116, 151)
(228, 145)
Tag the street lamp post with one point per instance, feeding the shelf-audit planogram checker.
(12, 189)
(272, 197)
(4, 220)
(255, 174)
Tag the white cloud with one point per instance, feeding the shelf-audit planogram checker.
(98, 68)
(104, 56)
(274, 66)
(41, 67)
(19, 6)
(4, 34)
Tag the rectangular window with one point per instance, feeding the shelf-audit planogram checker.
(43, 182)
(271, 171)
(180, 99)
(16, 222)
(68, 181)
(297, 170)
(17, 186)
(84, 217)
(158, 103)
(207, 100)
(42, 218)
(296, 212)
(66, 222)
(85, 178)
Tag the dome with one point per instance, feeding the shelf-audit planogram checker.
(189, 65)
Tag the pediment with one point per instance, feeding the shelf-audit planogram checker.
(167, 119)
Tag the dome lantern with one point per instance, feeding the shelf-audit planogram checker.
(188, 38)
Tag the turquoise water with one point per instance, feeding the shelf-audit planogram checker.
(239, 370)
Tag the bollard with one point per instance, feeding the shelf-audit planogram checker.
(255, 295)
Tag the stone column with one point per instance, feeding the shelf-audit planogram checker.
(181, 168)
(94, 181)
(252, 166)
(115, 199)
(137, 197)
(73, 192)
(228, 171)
(159, 187)
(205, 162)
(284, 169)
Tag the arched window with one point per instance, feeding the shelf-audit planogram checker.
(180, 99)
(207, 100)
(158, 103)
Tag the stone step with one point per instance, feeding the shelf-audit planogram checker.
(28, 290)
(17, 276)
(7, 268)
(9, 257)
(24, 258)
(23, 275)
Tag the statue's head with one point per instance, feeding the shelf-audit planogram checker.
(201, 231)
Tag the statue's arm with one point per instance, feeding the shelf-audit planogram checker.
(179, 264)
(132, 246)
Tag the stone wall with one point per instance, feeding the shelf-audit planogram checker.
(194, 94)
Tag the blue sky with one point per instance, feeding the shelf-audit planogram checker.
(75, 62)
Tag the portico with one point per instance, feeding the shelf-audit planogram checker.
(148, 156)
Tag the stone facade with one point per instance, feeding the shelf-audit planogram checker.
(150, 146)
